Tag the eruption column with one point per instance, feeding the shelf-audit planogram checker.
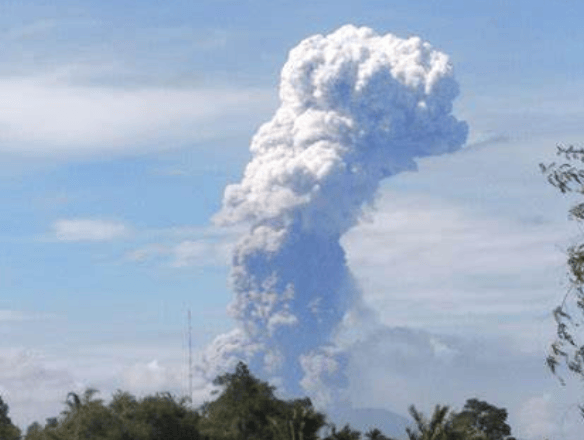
(355, 108)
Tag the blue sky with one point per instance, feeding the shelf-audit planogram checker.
(121, 124)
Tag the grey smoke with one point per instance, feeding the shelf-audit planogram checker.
(356, 107)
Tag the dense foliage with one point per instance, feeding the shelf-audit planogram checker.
(125, 418)
(246, 408)
(478, 420)
(8, 431)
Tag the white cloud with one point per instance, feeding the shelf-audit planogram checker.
(191, 252)
(535, 418)
(151, 377)
(38, 28)
(533, 112)
(199, 253)
(107, 368)
(147, 252)
(548, 416)
(393, 368)
(423, 260)
(47, 117)
(18, 316)
(188, 247)
(200, 39)
(22, 374)
(79, 229)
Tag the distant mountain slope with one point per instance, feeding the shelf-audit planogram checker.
(364, 419)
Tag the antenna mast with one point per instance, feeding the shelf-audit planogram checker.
(190, 359)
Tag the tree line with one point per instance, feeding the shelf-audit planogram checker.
(246, 408)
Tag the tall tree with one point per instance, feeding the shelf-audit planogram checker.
(85, 417)
(247, 409)
(470, 424)
(166, 418)
(8, 431)
(567, 349)
(34, 431)
(479, 419)
(157, 417)
(297, 420)
(437, 428)
(244, 408)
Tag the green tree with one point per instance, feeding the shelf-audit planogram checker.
(8, 431)
(242, 410)
(157, 417)
(568, 177)
(297, 420)
(85, 417)
(346, 433)
(376, 434)
(34, 431)
(52, 422)
(439, 427)
(479, 419)
(165, 417)
(245, 409)
(129, 424)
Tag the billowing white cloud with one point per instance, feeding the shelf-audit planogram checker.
(84, 229)
(356, 107)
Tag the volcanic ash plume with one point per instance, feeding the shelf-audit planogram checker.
(355, 108)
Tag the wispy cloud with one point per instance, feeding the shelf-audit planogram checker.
(147, 252)
(83, 229)
(26, 31)
(185, 36)
(44, 116)
(427, 261)
(19, 316)
(186, 246)
(199, 253)
(552, 110)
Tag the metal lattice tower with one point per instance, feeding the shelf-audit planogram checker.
(190, 358)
